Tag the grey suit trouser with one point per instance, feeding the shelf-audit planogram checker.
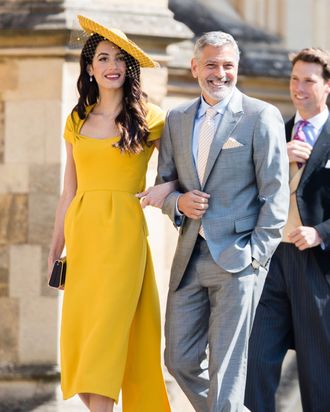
(208, 323)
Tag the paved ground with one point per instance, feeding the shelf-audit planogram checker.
(179, 404)
(288, 399)
(58, 405)
(289, 402)
(178, 401)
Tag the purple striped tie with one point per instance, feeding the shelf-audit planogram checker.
(300, 134)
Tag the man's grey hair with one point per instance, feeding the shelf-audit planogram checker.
(216, 39)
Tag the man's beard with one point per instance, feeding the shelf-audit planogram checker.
(221, 94)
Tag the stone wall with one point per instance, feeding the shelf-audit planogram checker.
(29, 186)
(37, 91)
(285, 17)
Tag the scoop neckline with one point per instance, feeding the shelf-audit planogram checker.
(97, 138)
(89, 109)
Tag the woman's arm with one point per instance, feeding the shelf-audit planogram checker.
(157, 143)
(69, 191)
(155, 195)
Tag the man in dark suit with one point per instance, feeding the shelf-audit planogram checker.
(294, 310)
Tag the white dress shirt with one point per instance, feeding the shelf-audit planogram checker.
(316, 123)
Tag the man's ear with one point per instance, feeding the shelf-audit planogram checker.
(328, 86)
(193, 67)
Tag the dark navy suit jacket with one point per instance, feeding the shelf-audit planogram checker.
(313, 192)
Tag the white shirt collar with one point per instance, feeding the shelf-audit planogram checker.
(317, 121)
(220, 107)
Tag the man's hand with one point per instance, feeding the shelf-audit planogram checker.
(193, 204)
(298, 151)
(305, 237)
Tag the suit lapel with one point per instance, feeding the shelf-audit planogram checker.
(321, 146)
(288, 129)
(187, 135)
(232, 115)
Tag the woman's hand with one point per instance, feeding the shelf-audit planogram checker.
(51, 261)
(155, 195)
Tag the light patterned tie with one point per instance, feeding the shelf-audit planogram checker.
(206, 136)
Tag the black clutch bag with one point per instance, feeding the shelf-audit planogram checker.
(57, 277)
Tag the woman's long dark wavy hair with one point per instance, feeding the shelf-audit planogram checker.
(131, 121)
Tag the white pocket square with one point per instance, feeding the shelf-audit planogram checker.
(327, 165)
(231, 143)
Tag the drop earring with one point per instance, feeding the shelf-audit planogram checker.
(91, 78)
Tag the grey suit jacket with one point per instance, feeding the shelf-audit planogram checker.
(248, 184)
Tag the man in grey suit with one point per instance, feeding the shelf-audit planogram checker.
(230, 215)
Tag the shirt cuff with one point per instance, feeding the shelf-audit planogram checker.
(177, 211)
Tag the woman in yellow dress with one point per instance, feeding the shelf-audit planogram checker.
(110, 333)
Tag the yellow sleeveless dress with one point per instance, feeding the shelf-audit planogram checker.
(110, 332)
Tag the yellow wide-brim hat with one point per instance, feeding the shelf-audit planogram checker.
(119, 38)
